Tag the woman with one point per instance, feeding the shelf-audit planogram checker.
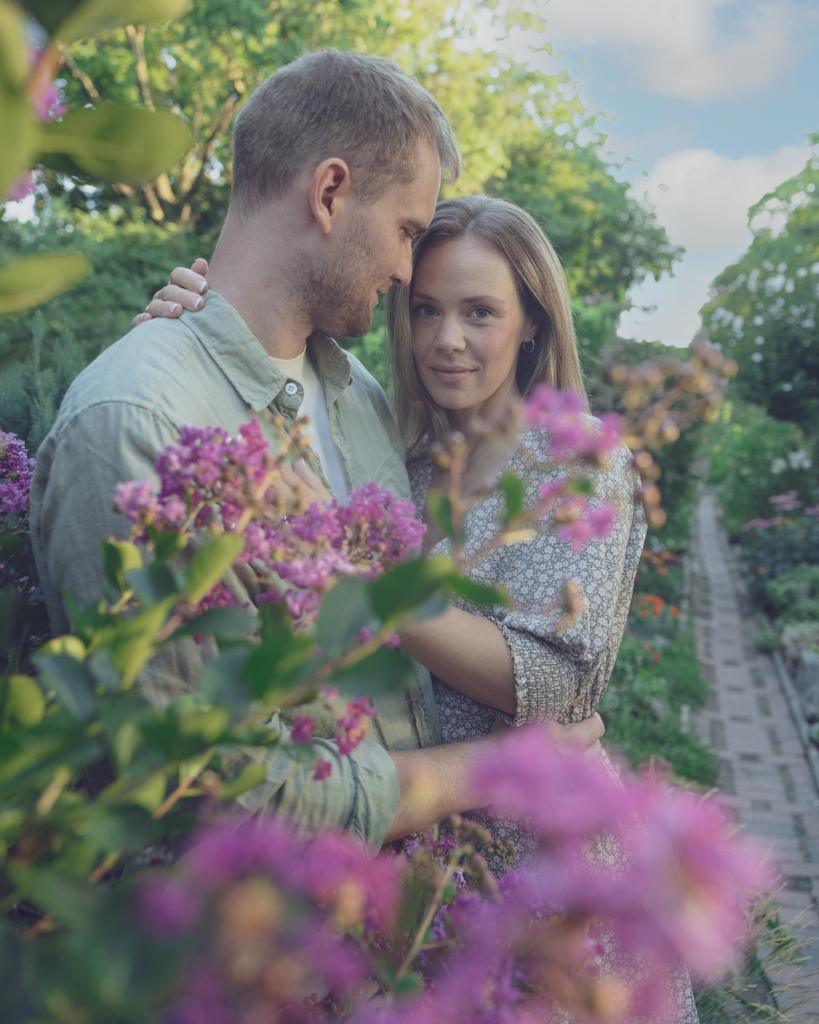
(486, 318)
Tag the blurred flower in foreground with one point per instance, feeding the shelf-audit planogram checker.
(273, 927)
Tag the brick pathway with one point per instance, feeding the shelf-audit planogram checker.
(763, 772)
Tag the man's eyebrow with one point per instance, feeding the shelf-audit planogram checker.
(415, 227)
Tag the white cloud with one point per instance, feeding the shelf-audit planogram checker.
(702, 201)
(693, 49)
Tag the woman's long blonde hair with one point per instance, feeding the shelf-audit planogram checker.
(542, 289)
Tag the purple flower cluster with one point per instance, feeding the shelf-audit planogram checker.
(578, 519)
(353, 724)
(654, 872)
(16, 474)
(209, 480)
(787, 502)
(573, 434)
(279, 912)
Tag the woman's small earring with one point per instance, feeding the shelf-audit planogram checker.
(529, 346)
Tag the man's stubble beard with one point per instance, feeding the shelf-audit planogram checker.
(336, 294)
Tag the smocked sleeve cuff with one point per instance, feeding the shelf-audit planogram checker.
(546, 682)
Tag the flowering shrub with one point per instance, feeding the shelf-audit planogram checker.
(210, 482)
(257, 922)
(254, 922)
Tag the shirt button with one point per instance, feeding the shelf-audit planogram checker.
(290, 388)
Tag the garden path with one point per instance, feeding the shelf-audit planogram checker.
(763, 772)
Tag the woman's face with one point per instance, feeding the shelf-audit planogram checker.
(467, 328)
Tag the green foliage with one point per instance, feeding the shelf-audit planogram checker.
(795, 595)
(752, 457)
(764, 310)
(606, 239)
(656, 683)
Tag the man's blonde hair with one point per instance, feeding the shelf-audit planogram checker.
(541, 286)
(363, 109)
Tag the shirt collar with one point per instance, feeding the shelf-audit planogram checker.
(242, 357)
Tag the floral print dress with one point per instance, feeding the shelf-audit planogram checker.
(560, 674)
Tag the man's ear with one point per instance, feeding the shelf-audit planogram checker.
(330, 188)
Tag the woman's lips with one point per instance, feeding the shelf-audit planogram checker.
(452, 374)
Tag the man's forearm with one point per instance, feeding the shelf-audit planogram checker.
(435, 782)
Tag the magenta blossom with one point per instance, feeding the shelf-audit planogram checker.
(302, 731)
(787, 502)
(572, 432)
(322, 770)
(353, 724)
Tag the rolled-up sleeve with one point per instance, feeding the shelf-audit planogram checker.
(359, 796)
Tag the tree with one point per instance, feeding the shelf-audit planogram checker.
(764, 307)
(204, 67)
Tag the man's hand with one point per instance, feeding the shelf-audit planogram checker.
(299, 482)
(184, 291)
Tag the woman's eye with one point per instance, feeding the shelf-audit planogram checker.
(481, 313)
(425, 310)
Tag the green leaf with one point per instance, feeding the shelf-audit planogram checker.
(250, 776)
(19, 131)
(511, 486)
(344, 612)
(167, 545)
(210, 563)
(222, 682)
(14, 68)
(440, 508)
(477, 593)
(81, 20)
(119, 557)
(273, 666)
(36, 279)
(132, 641)
(151, 585)
(408, 985)
(70, 681)
(118, 829)
(383, 671)
(10, 544)
(9, 614)
(409, 586)
(223, 623)
(114, 142)
(23, 699)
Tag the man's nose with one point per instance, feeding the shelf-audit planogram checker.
(403, 272)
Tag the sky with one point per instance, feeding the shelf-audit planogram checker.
(706, 104)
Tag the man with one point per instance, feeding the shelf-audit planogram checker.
(337, 167)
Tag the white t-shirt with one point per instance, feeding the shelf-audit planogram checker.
(314, 405)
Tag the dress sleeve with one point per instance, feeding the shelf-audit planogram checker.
(561, 673)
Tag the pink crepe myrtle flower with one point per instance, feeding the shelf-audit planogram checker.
(166, 904)
(206, 477)
(22, 186)
(302, 730)
(322, 770)
(16, 474)
(353, 724)
(812, 511)
(572, 432)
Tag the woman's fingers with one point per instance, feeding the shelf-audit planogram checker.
(189, 280)
(140, 318)
(172, 300)
(585, 733)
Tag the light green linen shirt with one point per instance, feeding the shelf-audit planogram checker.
(204, 369)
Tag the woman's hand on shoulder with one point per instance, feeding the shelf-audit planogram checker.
(184, 291)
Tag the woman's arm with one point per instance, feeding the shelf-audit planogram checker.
(467, 651)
